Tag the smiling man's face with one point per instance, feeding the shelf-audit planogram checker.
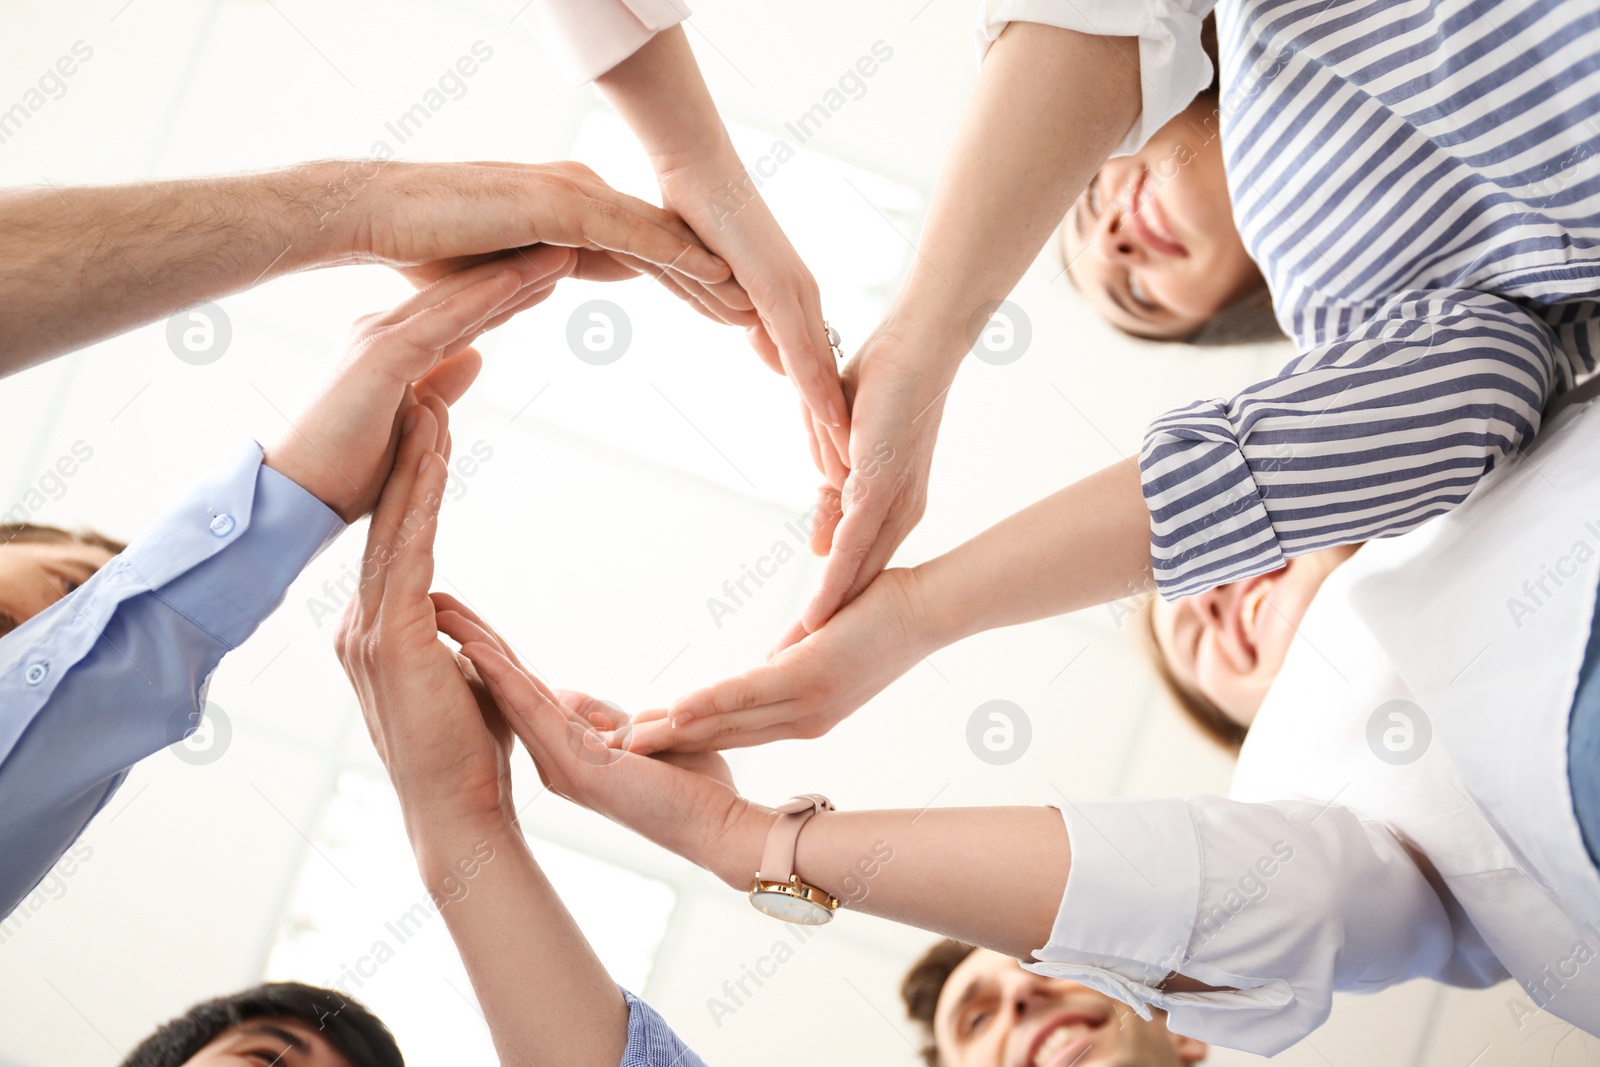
(263, 1042)
(992, 1013)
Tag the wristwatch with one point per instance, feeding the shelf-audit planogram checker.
(778, 891)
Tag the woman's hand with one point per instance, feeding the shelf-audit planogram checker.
(687, 804)
(810, 685)
(898, 399)
(440, 738)
(718, 200)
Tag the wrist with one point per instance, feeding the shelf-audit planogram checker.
(449, 847)
(734, 855)
(334, 201)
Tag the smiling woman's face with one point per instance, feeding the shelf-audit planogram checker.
(1229, 643)
(1152, 243)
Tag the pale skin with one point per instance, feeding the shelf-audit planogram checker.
(1050, 105)
(259, 1042)
(443, 721)
(84, 263)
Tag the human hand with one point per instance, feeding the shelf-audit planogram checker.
(434, 219)
(686, 803)
(441, 739)
(897, 402)
(810, 684)
(715, 197)
(341, 447)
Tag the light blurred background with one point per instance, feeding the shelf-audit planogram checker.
(603, 506)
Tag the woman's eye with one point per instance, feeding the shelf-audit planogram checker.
(1136, 291)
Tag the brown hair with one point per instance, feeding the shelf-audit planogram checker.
(1201, 709)
(26, 533)
(924, 982)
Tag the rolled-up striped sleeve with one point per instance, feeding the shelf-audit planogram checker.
(1367, 436)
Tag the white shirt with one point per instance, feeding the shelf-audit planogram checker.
(1335, 865)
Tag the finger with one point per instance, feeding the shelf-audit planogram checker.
(852, 541)
(808, 360)
(737, 730)
(530, 264)
(426, 335)
(441, 417)
(526, 298)
(792, 636)
(829, 511)
(834, 467)
(620, 227)
(528, 706)
(761, 341)
(592, 710)
(411, 569)
(392, 502)
(451, 377)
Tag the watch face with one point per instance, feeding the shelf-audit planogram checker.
(790, 909)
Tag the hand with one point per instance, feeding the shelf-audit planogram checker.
(443, 742)
(436, 218)
(687, 804)
(341, 448)
(897, 404)
(717, 199)
(807, 687)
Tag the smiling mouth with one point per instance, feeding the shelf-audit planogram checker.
(1149, 223)
(1063, 1043)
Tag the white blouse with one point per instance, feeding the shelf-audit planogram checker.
(1401, 807)
(586, 38)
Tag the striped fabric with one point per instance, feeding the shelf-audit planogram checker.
(1420, 184)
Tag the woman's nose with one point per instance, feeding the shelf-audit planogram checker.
(1115, 240)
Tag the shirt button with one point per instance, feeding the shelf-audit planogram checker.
(222, 525)
(36, 673)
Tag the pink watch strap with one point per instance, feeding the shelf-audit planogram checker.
(777, 858)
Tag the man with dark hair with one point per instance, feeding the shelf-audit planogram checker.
(282, 1023)
(981, 1007)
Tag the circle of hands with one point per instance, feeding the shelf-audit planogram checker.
(443, 720)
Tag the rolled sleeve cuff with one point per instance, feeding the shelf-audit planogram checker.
(1127, 914)
(1208, 520)
(1173, 67)
(586, 38)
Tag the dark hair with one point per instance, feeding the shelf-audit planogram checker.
(354, 1032)
(1215, 723)
(24, 533)
(924, 982)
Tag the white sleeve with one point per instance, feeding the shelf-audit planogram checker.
(1173, 67)
(1279, 905)
(586, 38)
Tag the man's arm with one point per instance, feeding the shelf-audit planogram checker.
(79, 264)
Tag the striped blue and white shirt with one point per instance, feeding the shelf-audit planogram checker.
(1420, 185)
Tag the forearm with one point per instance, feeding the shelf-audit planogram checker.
(988, 876)
(79, 264)
(660, 94)
(546, 996)
(1049, 106)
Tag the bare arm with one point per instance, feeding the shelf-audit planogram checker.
(79, 264)
(1049, 106)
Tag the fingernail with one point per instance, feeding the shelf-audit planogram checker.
(681, 719)
(422, 467)
(833, 415)
(410, 421)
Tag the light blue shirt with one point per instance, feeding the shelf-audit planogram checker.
(119, 669)
(651, 1042)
